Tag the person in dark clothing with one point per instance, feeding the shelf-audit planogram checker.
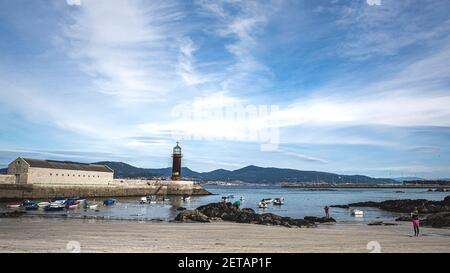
(327, 211)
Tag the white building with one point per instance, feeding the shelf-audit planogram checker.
(51, 172)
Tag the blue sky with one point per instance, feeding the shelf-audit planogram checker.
(354, 87)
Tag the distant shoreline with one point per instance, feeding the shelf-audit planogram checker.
(364, 186)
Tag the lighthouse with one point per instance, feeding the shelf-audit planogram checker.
(176, 164)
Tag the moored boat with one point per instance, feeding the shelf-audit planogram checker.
(109, 202)
(186, 197)
(72, 204)
(14, 206)
(278, 201)
(32, 206)
(54, 207)
(357, 212)
(43, 204)
(267, 200)
(262, 205)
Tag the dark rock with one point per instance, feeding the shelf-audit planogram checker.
(181, 208)
(381, 223)
(319, 219)
(377, 223)
(191, 215)
(403, 219)
(248, 210)
(340, 206)
(218, 209)
(229, 212)
(370, 204)
(438, 220)
(408, 205)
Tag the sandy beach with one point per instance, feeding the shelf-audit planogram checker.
(64, 235)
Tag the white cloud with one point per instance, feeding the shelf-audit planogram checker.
(128, 48)
(73, 2)
(302, 156)
(373, 2)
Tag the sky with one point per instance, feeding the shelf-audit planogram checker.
(351, 87)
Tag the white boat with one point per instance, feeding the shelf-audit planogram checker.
(13, 206)
(357, 212)
(262, 205)
(186, 197)
(278, 201)
(242, 198)
(95, 206)
(43, 204)
(267, 200)
(59, 202)
(143, 200)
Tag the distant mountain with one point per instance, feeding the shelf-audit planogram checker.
(250, 174)
(408, 178)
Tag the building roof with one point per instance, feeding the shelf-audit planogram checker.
(67, 165)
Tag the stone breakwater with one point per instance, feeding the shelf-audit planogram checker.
(437, 212)
(119, 188)
(228, 212)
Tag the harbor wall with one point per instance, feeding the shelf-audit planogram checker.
(118, 188)
(7, 179)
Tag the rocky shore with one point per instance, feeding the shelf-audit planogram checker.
(229, 212)
(437, 212)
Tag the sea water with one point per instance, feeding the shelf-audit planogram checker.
(298, 203)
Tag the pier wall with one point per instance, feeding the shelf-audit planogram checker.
(117, 188)
(7, 179)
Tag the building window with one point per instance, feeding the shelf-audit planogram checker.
(51, 174)
(56, 174)
(79, 175)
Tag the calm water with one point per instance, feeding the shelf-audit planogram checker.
(298, 202)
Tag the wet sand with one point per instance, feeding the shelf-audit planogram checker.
(53, 235)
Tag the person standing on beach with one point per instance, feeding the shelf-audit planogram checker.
(327, 211)
(415, 221)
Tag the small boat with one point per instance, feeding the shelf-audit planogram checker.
(262, 205)
(58, 199)
(267, 200)
(230, 196)
(27, 202)
(278, 201)
(43, 204)
(186, 197)
(357, 212)
(72, 204)
(14, 206)
(55, 207)
(109, 202)
(31, 206)
(143, 200)
(95, 206)
(242, 198)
